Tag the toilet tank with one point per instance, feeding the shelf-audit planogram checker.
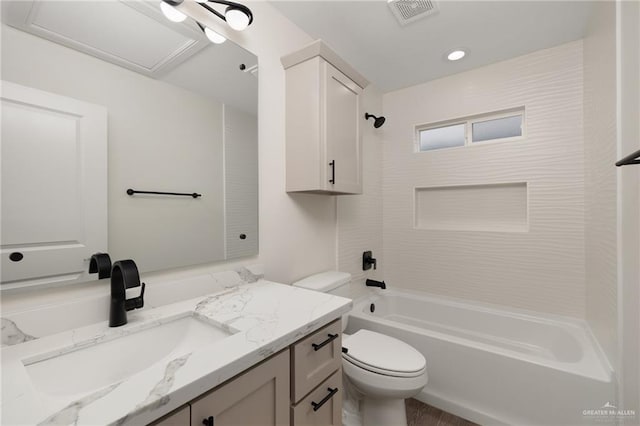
(332, 282)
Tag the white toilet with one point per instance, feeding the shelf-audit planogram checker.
(383, 370)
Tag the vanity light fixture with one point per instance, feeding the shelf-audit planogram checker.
(213, 36)
(236, 15)
(171, 13)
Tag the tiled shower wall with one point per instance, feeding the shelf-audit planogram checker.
(360, 216)
(540, 267)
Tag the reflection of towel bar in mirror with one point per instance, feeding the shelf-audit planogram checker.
(630, 159)
(135, 191)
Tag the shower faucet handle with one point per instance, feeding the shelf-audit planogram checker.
(368, 260)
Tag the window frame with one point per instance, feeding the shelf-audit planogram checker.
(468, 129)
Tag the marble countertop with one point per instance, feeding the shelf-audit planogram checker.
(264, 317)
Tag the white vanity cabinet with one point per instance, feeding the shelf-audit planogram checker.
(316, 378)
(299, 386)
(257, 397)
(323, 119)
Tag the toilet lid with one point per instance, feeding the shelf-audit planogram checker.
(383, 354)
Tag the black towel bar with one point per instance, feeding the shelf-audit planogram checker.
(135, 191)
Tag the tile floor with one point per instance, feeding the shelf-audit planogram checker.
(420, 414)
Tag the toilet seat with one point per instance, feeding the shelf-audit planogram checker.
(383, 354)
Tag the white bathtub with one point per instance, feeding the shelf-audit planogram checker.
(495, 366)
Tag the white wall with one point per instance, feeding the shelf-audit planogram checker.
(628, 107)
(360, 216)
(152, 146)
(600, 175)
(542, 269)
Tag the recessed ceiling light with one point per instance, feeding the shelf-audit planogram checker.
(456, 55)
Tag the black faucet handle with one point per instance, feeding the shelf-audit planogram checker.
(368, 260)
(136, 302)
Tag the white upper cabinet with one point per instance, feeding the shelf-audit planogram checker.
(54, 186)
(323, 118)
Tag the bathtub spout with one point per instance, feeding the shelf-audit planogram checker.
(374, 283)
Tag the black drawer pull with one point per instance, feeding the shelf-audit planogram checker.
(318, 346)
(208, 421)
(317, 405)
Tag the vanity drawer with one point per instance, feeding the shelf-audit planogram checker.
(327, 399)
(314, 358)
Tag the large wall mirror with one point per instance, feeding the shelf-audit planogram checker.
(111, 95)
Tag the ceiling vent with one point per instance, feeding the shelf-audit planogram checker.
(407, 11)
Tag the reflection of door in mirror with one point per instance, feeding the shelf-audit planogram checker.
(182, 117)
(54, 185)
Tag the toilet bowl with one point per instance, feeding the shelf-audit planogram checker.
(385, 371)
(382, 370)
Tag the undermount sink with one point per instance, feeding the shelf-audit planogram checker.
(96, 363)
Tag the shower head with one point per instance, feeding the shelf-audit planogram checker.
(379, 121)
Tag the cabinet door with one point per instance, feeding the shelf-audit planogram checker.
(342, 132)
(258, 397)
(54, 186)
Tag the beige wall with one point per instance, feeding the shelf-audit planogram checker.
(600, 175)
(542, 269)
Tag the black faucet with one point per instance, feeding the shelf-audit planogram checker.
(374, 283)
(124, 275)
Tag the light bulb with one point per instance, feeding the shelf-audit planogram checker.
(171, 13)
(236, 18)
(213, 36)
(456, 55)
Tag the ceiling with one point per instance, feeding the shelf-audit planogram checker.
(367, 35)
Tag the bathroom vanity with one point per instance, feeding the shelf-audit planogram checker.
(299, 386)
(259, 353)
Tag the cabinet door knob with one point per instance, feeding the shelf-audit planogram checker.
(208, 421)
(16, 256)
